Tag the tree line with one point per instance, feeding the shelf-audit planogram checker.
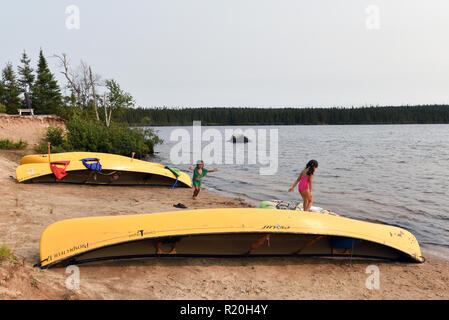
(105, 101)
(40, 88)
(85, 92)
(425, 114)
(85, 101)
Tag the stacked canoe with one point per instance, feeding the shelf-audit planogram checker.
(97, 168)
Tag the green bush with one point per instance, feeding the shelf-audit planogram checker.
(94, 136)
(58, 140)
(2, 108)
(55, 135)
(151, 139)
(7, 144)
(118, 138)
(43, 148)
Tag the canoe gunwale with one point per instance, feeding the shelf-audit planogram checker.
(168, 256)
(109, 185)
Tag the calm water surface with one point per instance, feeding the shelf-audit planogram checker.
(397, 174)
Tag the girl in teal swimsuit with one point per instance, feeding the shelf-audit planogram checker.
(305, 183)
(198, 173)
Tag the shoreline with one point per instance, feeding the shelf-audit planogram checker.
(434, 250)
(27, 209)
(294, 125)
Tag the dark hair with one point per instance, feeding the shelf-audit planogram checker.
(311, 165)
(199, 162)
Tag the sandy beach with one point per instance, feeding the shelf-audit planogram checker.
(28, 208)
(330, 122)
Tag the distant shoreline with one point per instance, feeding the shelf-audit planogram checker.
(422, 114)
(289, 125)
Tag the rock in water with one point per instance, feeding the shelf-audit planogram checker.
(239, 138)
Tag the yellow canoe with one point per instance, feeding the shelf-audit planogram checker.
(222, 232)
(115, 171)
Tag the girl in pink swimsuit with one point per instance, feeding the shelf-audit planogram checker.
(305, 183)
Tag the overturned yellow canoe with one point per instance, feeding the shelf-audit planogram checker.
(222, 232)
(115, 170)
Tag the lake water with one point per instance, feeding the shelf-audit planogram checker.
(397, 174)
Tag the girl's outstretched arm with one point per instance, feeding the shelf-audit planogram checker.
(296, 182)
(213, 170)
(192, 168)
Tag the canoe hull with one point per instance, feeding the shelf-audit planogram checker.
(129, 172)
(223, 232)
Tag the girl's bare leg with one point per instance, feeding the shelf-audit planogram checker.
(310, 202)
(196, 192)
(305, 199)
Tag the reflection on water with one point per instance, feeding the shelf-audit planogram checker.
(398, 174)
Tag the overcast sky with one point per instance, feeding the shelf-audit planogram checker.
(256, 53)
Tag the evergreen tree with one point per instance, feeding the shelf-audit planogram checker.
(11, 91)
(45, 92)
(2, 91)
(26, 76)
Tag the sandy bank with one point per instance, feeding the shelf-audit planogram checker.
(26, 209)
(27, 128)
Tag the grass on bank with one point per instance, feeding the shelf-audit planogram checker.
(7, 144)
(6, 254)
